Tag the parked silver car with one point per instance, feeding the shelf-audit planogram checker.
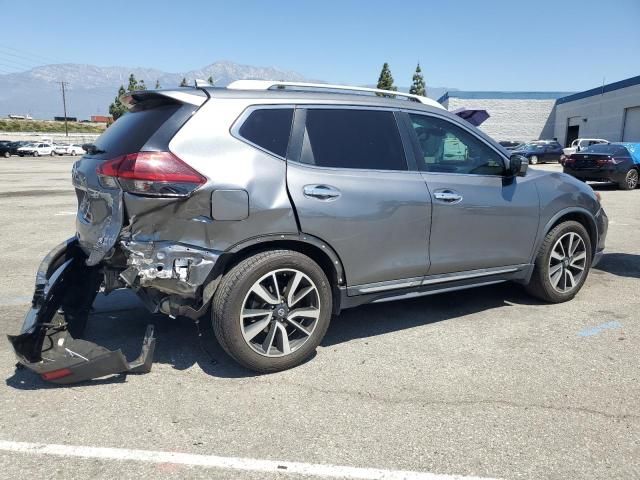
(272, 207)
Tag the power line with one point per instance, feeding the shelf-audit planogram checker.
(19, 57)
(35, 56)
(16, 64)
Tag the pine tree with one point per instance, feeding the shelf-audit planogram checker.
(418, 86)
(133, 83)
(117, 108)
(141, 85)
(158, 84)
(210, 80)
(184, 83)
(385, 81)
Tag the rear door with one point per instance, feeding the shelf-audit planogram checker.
(348, 177)
(480, 218)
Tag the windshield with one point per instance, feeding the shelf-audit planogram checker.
(607, 149)
(531, 146)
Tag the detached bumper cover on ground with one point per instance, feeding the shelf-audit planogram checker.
(65, 289)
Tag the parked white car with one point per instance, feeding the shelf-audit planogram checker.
(36, 149)
(67, 149)
(581, 143)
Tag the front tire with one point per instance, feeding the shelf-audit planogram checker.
(562, 264)
(533, 160)
(272, 310)
(630, 181)
(36, 154)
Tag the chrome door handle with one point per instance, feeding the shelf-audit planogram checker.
(447, 196)
(321, 192)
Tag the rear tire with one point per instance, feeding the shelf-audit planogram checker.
(259, 330)
(630, 181)
(6, 154)
(566, 248)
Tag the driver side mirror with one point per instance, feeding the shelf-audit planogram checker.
(518, 165)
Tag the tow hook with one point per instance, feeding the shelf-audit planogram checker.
(65, 289)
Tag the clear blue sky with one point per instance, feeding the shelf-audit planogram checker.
(471, 45)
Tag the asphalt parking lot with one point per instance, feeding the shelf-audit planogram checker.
(485, 382)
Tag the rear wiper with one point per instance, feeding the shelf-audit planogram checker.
(91, 149)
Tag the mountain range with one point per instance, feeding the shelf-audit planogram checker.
(90, 88)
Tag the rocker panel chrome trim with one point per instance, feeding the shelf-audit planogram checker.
(430, 280)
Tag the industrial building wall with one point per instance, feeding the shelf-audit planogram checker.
(602, 116)
(511, 119)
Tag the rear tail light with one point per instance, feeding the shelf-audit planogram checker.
(567, 160)
(607, 161)
(150, 173)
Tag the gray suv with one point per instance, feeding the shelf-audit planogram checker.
(272, 207)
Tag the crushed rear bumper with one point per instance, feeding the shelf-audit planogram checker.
(64, 292)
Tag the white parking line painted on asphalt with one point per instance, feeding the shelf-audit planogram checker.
(60, 214)
(225, 463)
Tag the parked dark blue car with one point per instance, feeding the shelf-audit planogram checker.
(615, 162)
(540, 151)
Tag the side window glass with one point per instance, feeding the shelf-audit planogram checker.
(350, 138)
(445, 147)
(269, 128)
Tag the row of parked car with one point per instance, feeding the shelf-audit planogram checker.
(588, 159)
(35, 149)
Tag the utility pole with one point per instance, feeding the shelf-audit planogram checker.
(64, 105)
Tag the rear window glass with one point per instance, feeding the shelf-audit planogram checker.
(608, 149)
(349, 138)
(131, 131)
(269, 128)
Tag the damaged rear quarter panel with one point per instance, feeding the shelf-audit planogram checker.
(230, 164)
(172, 244)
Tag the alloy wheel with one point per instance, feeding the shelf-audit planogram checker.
(632, 179)
(534, 160)
(567, 262)
(280, 312)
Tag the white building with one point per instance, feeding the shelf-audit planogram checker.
(514, 116)
(611, 112)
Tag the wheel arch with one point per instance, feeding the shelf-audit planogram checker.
(580, 215)
(313, 247)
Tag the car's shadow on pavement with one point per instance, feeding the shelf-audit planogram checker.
(604, 186)
(620, 264)
(119, 322)
(378, 319)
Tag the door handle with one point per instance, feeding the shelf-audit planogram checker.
(321, 192)
(447, 196)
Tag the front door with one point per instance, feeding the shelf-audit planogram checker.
(553, 152)
(351, 187)
(480, 218)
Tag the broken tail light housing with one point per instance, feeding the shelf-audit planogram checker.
(158, 174)
(56, 374)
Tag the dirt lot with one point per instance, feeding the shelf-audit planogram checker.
(485, 382)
